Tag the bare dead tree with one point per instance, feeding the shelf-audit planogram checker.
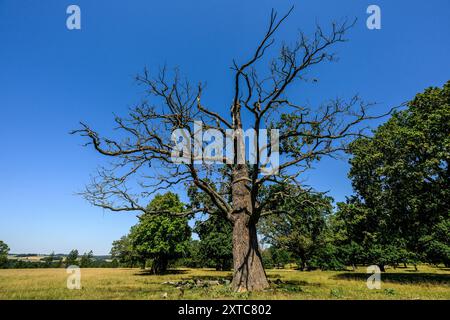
(306, 135)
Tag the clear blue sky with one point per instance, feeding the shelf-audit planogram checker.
(51, 78)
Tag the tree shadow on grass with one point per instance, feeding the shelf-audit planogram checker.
(404, 278)
(211, 278)
(276, 279)
(148, 272)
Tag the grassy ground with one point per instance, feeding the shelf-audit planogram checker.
(427, 283)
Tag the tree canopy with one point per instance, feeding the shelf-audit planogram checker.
(161, 237)
(216, 247)
(72, 258)
(87, 259)
(401, 178)
(122, 251)
(300, 227)
(4, 249)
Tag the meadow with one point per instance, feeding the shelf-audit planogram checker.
(401, 283)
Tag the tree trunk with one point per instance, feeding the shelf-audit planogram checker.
(381, 266)
(159, 265)
(302, 265)
(249, 274)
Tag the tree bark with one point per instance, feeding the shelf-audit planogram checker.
(249, 274)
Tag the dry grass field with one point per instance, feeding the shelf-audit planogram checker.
(402, 283)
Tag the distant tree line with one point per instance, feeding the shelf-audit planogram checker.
(87, 260)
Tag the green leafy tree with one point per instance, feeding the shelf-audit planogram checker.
(72, 258)
(215, 233)
(192, 257)
(4, 249)
(86, 260)
(216, 245)
(436, 245)
(115, 263)
(401, 177)
(348, 230)
(161, 236)
(361, 238)
(274, 257)
(300, 225)
(122, 252)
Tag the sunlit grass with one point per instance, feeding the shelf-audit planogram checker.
(426, 283)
